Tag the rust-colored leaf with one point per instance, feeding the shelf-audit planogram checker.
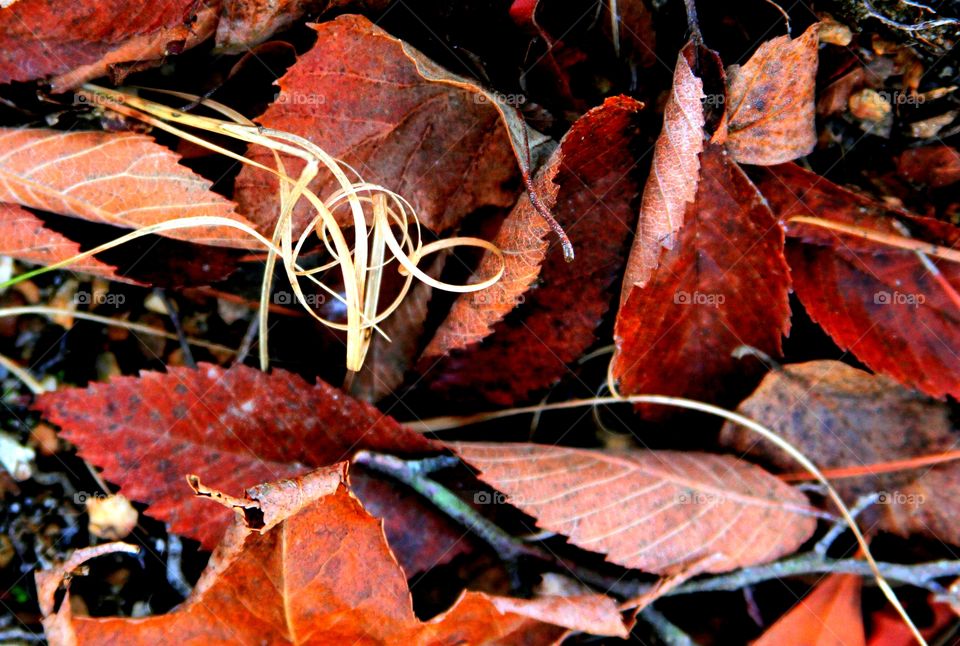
(877, 301)
(828, 616)
(596, 189)
(235, 426)
(770, 102)
(369, 99)
(936, 166)
(842, 417)
(322, 573)
(657, 511)
(674, 174)
(584, 183)
(23, 236)
(724, 284)
(123, 179)
(927, 506)
(79, 41)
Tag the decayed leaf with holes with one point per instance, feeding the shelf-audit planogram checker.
(123, 179)
(581, 176)
(235, 426)
(369, 99)
(880, 302)
(828, 616)
(674, 174)
(23, 236)
(846, 418)
(724, 284)
(79, 41)
(657, 511)
(321, 572)
(770, 102)
(596, 192)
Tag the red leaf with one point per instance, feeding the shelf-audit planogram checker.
(235, 426)
(724, 284)
(595, 197)
(828, 616)
(79, 41)
(934, 165)
(877, 301)
(123, 179)
(674, 174)
(322, 573)
(657, 511)
(770, 102)
(359, 95)
(23, 236)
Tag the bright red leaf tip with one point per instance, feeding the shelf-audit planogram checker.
(882, 303)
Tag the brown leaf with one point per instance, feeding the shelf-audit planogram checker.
(123, 179)
(658, 511)
(323, 574)
(927, 506)
(247, 23)
(674, 174)
(770, 102)
(841, 416)
(596, 189)
(828, 616)
(724, 284)
(878, 301)
(369, 99)
(79, 41)
(23, 236)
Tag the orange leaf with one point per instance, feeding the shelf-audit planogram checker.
(770, 102)
(321, 572)
(658, 511)
(24, 237)
(123, 179)
(828, 616)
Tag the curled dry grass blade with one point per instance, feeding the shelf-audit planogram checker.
(376, 211)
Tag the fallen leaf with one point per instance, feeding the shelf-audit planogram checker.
(927, 506)
(828, 616)
(770, 102)
(23, 236)
(596, 189)
(369, 99)
(936, 166)
(841, 416)
(80, 41)
(674, 173)
(889, 629)
(235, 426)
(323, 573)
(723, 284)
(658, 511)
(587, 187)
(877, 301)
(123, 179)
